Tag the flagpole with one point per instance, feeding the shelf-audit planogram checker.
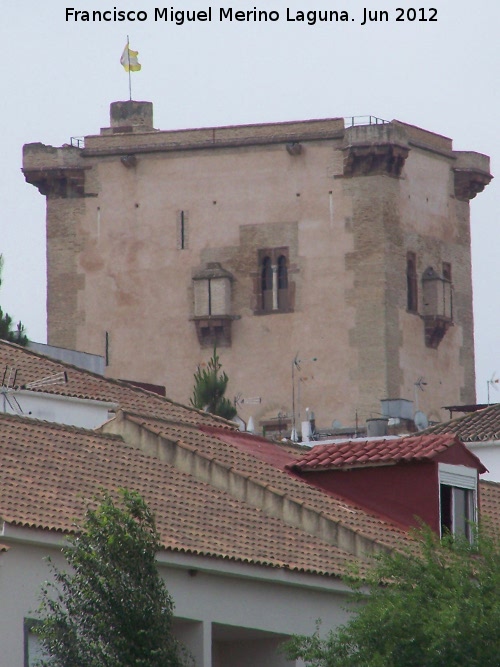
(129, 70)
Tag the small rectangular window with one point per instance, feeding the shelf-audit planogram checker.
(457, 499)
(33, 651)
(447, 271)
(182, 230)
(457, 510)
(411, 283)
(106, 348)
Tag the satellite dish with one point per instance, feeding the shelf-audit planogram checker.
(420, 420)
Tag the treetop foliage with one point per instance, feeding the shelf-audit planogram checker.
(113, 608)
(7, 332)
(209, 389)
(437, 606)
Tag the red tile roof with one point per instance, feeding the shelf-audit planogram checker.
(31, 366)
(50, 472)
(214, 447)
(480, 426)
(387, 451)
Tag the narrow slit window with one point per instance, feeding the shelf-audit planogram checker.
(447, 271)
(182, 230)
(411, 282)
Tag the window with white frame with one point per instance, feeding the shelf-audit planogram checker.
(457, 499)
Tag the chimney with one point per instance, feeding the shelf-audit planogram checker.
(131, 116)
(376, 427)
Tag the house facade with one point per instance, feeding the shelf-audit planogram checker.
(329, 261)
(256, 535)
(479, 430)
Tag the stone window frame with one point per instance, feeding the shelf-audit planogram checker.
(273, 277)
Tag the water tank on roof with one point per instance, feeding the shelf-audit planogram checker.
(377, 427)
(397, 408)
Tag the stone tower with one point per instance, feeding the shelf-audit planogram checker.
(328, 261)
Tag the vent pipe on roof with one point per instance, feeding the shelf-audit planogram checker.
(376, 427)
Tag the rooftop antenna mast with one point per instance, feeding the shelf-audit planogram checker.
(9, 386)
(492, 382)
(420, 384)
(7, 389)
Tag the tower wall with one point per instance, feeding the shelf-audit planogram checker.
(136, 214)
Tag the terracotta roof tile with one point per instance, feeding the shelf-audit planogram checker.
(31, 366)
(50, 471)
(245, 464)
(385, 451)
(480, 426)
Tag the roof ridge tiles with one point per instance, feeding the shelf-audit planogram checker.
(122, 384)
(288, 496)
(57, 426)
(176, 420)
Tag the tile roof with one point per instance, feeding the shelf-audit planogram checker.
(31, 366)
(50, 471)
(386, 451)
(246, 465)
(480, 426)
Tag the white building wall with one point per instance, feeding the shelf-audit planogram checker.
(489, 455)
(232, 616)
(80, 412)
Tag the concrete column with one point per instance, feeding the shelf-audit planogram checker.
(197, 637)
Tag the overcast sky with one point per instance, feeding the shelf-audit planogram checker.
(59, 77)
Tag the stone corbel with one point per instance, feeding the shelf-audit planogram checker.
(469, 183)
(373, 159)
(57, 182)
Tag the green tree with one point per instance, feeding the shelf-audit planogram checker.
(113, 609)
(438, 606)
(7, 332)
(209, 389)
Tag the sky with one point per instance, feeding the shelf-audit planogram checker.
(59, 76)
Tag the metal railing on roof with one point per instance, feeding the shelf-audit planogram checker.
(350, 121)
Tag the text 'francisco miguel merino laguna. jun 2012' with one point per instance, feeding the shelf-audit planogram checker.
(255, 15)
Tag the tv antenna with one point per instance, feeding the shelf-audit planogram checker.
(239, 399)
(9, 386)
(492, 382)
(419, 385)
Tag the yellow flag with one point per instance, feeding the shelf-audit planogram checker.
(129, 60)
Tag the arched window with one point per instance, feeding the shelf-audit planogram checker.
(282, 273)
(273, 288)
(267, 284)
(282, 283)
